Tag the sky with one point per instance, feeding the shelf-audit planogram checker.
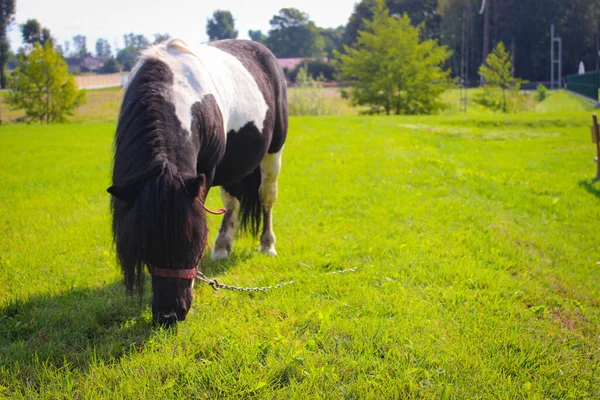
(185, 19)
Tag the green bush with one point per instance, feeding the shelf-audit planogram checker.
(111, 66)
(493, 98)
(541, 92)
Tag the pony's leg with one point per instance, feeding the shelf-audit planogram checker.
(224, 241)
(269, 171)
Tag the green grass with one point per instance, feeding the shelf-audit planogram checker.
(475, 242)
(101, 105)
(558, 101)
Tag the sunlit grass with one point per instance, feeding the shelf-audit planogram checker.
(474, 239)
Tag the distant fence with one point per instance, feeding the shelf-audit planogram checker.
(586, 85)
(101, 81)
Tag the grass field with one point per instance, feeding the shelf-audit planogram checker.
(474, 239)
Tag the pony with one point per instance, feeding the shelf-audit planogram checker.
(191, 120)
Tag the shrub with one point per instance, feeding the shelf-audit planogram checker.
(496, 100)
(541, 92)
(111, 66)
(43, 88)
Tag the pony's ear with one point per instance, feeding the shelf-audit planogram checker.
(127, 194)
(194, 185)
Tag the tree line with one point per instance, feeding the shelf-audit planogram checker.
(522, 25)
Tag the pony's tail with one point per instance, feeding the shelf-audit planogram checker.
(250, 205)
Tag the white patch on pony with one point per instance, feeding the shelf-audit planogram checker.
(269, 171)
(224, 241)
(209, 71)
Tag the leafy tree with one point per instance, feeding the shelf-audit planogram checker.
(103, 48)
(111, 66)
(126, 57)
(419, 11)
(221, 26)
(257, 36)
(7, 12)
(43, 88)
(392, 69)
(333, 38)
(31, 31)
(80, 45)
(138, 42)
(133, 45)
(161, 37)
(293, 34)
(498, 72)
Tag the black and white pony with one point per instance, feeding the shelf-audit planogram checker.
(190, 121)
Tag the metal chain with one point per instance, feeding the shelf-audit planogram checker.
(216, 285)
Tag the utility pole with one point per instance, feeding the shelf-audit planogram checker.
(598, 47)
(555, 59)
(464, 59)
(486, 33)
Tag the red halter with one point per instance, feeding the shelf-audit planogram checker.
(183, 273)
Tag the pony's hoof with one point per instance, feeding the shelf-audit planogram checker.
(270, 251)
(220, 254)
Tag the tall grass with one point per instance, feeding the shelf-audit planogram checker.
(308, 98)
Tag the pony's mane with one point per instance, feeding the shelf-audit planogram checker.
(164, 225)
(158, 52)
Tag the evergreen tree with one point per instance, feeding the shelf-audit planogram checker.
(498, 72)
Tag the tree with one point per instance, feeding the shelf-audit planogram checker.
(333, 38)
(7, 13)
(126, 57)
(138, 42)
(221, 26)
(257, 36)
(161, 37)
(419, 11)
(103, 48)
(111, 65)
(133, 45)
(392, 69)
(498, 72)
(293, 34)
(80, 45)
(33, 33)
(43, 88)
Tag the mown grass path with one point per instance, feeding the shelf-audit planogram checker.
(475, 243)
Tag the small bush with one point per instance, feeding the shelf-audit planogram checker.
(111, 66)
(541, 92)
(492, 98)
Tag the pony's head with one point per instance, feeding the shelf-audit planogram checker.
(160, 224)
